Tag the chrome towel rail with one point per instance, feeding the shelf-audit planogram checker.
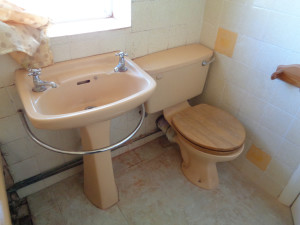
(93, 151)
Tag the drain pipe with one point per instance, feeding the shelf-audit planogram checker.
(165, 127)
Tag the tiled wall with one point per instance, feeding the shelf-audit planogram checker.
(156, 25)
(268, 36)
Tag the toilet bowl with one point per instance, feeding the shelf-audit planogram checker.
(205, 134)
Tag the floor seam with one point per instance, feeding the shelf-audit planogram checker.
(123, 214)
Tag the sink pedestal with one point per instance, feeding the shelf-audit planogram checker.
(99, 182)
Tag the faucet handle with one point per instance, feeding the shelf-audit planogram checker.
(121, 54)
(34, 72)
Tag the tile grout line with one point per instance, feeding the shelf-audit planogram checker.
(125, 217)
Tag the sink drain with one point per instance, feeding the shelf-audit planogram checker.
(89, 107)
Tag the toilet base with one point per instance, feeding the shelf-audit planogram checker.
(200, 167)
(203, 175)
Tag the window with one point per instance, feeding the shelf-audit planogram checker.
(61, 11)
(81, 16)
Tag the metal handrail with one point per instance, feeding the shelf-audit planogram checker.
(93, 151)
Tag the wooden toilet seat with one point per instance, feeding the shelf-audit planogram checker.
(211, 129)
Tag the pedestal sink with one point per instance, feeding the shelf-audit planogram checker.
(88, 96)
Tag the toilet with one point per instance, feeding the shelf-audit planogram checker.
(205, 134)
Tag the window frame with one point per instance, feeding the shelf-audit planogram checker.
(121, 18)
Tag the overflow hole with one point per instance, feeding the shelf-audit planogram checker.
(83, 82)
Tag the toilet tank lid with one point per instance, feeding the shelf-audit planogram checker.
(173, 58)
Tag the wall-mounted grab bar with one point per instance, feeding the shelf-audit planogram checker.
(205, 63)
(93, 151)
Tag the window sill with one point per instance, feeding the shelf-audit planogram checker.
(82, 27)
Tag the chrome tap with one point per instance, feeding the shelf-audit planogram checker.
(121, 66)
(39, 85)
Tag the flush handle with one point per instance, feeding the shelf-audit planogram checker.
(205, 63)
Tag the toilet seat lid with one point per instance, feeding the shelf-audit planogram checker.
(210, 127)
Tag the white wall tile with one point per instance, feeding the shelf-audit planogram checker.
(70, 139)
(210, 36)
(279, 171)
(270, 57)
(286, 97)
(293, 57)
(267, 140)
(195, 11)
(268, 4)
(239, 75)
(261, 85)
(193, 35)
(68, 158)
(110, 41)
(60, 40)
(276, 120)
(6, 104)
(17, 151)
(137, 44)
(14, 96)
(293, 134)
(247, 51)
(177, 36)
(47, 160)
(8, 67)
(61, 52)
(158, 40)
(233, 96)
(24, 169)
(289, 154)
(221, 67)
(252, 107)
(151, 121)
(142, 14)
(213, 92)
(132, 126)
(83, 47)
(231, 16)
(254, 22)
(281, 30)
(118, 128)
(34, 148)
(291, 7)
(250, 125)
(213, 11)
(11, 129)
(161, 14)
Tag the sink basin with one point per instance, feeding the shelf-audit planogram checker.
(88, 91)
(88, 96)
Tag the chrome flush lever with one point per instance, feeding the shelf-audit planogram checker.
(205, 63)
